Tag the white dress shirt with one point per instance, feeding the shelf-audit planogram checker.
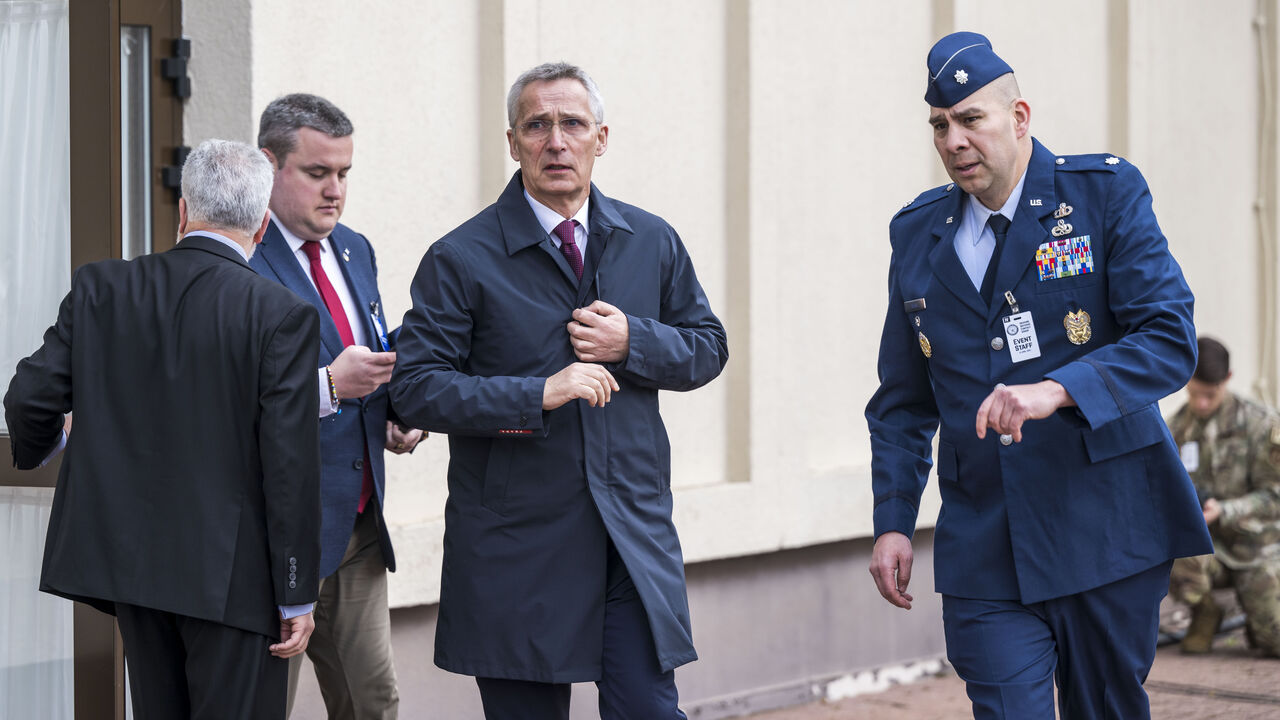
(549, 219)
(974, 240)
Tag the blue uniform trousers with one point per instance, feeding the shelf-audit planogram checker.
(632, 686)
(1100, 644)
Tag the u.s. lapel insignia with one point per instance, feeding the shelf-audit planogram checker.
(1079, 331)
(1063, 210)
(925, 347)
(1037, 202)
(346, 254)
(1062, 228)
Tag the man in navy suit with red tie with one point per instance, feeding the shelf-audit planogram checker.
(309, 141)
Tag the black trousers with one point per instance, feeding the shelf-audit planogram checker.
(632, 685)
(182, 667)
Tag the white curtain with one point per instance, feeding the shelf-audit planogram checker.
(36, 647)
(35, 176)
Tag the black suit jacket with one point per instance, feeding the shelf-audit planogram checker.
(190, 482)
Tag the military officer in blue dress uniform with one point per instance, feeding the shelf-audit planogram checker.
(1036, 317)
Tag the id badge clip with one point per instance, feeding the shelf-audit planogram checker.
(376, 317)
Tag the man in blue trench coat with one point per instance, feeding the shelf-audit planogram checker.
(1035, 316)
(541, 332)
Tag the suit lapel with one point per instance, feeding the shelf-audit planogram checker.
(359, 277)
(276, 253)
(1027, 232)
(943, 259)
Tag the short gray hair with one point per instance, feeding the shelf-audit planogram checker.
(227, 185)
(547, 72)
(280, 121)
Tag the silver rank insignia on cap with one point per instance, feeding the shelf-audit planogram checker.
(1063, 210)
(1077, 324)
(962, 77)
(925, 347)
(1062, 228)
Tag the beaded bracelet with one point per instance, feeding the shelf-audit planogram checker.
(333, 389)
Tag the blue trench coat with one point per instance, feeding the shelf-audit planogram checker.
(533, 495)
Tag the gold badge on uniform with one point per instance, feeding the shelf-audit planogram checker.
(925, 347)
(1077, 324)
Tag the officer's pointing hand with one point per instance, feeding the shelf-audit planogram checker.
(1008, 406)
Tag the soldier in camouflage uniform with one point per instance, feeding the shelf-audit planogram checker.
(1231, 449)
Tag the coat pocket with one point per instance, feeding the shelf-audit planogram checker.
(1135, 431)
(497, 473)
(947, 463)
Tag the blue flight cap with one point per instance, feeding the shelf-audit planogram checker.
(960, 64)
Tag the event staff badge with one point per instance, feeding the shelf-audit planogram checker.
(1079, 331)
(1020, 332)
(925, 347)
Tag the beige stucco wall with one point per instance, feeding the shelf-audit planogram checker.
(778, 138)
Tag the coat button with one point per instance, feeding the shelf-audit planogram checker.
(524, 420)
(292, 584)
(358, 464)
(293, 561)
(1006, 439)
(997, 343)
(293, 576)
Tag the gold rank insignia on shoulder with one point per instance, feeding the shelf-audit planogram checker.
(1062, 228)
(1079, 331)
(925, 347)
(1063, 210)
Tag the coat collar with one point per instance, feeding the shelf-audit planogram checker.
(520, 228)
(208, 244)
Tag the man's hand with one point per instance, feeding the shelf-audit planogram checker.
(1008, 406)
(402, 440)
(294, 634)
(600, 333)
(1212, 511)
(358, 371)
(891, 567)
(580, 380)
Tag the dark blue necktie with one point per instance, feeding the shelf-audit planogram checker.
(999, 225)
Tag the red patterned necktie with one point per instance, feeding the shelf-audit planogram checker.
(569, 246)
(339, 314)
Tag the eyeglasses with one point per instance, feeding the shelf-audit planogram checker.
(539, 129)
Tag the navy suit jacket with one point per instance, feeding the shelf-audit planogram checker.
(362, 421)
(1092, 494)
(535, 496)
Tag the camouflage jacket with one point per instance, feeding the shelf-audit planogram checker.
(1234, 457)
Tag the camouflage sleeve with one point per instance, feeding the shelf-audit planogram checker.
(1263, 499)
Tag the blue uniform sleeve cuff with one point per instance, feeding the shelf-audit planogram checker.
(895, 514)
(1089, 390)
